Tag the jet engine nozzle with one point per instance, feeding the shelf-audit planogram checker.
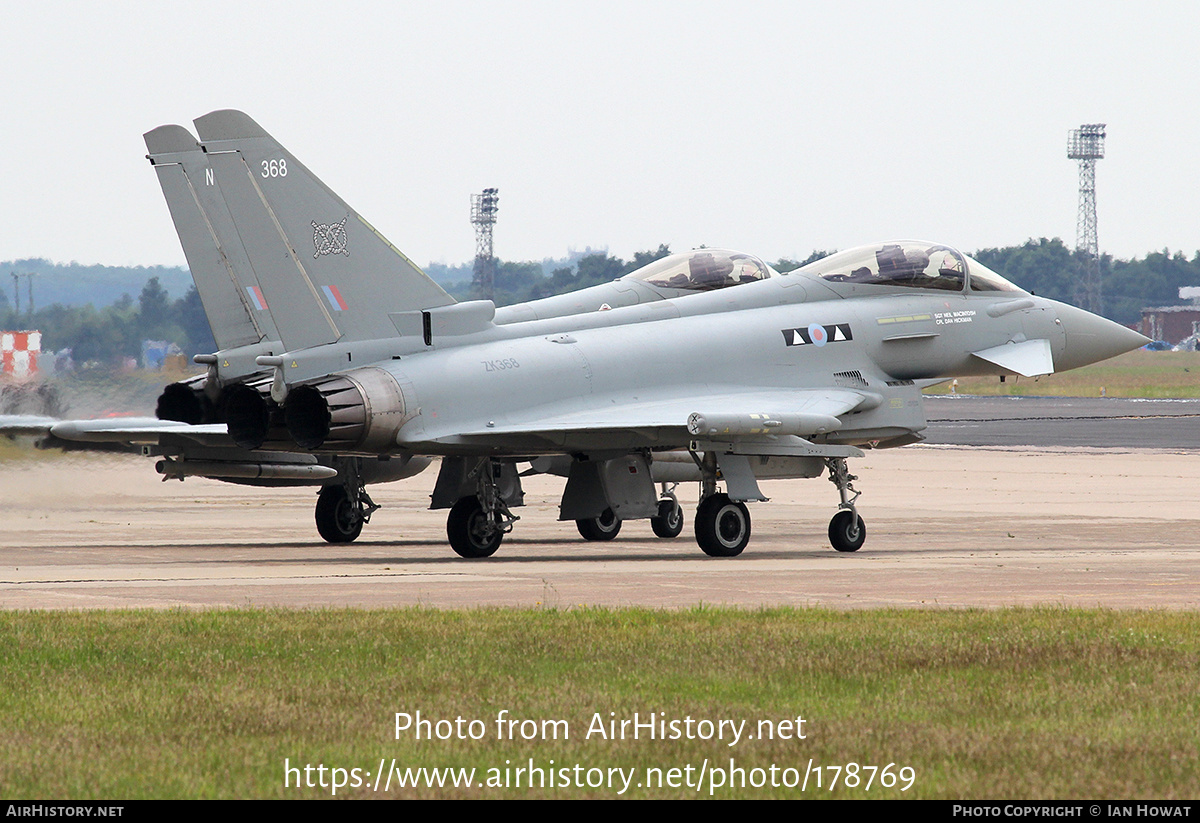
(358, 411)
(248, 416)
(185, 402)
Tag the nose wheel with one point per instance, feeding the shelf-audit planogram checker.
(847, 532)
(669, 522)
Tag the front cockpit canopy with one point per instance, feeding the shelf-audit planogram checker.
(703, 270)
(912, 265)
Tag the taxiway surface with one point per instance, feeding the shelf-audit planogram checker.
(1041, 422)
(947, 527)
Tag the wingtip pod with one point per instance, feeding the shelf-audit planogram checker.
(718, 425)
(170, 139)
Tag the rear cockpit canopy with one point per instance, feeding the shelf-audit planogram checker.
(909, 264)
(703, 270)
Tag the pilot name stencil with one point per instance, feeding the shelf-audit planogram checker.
(945, 318)
(817, 335)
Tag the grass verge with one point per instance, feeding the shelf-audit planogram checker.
(1014, 703)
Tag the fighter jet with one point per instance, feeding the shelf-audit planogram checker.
(340, 358)
(244, 265)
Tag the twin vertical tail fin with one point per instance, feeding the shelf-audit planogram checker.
(277, 256)
(228, 287)
(339, 278)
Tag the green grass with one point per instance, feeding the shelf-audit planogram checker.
(1043, 703)
(1156, 374)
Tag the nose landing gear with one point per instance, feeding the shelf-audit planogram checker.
(668, 524)
(847, 532)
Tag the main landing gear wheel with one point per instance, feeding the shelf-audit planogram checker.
(847, 532)
(604, 527)
(722, 526)
(470, 533)
(338, 519)
(669, 522)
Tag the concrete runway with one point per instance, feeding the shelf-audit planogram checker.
(947, 527)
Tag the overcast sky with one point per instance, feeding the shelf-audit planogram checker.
(773, 128)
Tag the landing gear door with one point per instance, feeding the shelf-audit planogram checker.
(459, 478)
(739, 477)
(622, 484)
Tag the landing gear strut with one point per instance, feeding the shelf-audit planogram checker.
(847, 532)
(477, 524)
(344, 508)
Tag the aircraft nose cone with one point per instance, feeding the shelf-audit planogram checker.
(1091, 338)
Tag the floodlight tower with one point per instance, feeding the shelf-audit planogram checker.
(17, 292)
(483, 216)
(1086, 144)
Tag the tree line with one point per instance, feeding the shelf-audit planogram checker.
(1050, 269)
(1047, 267)
(108, 334)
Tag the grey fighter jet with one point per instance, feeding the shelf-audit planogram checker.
(243, 260)
(339, 355)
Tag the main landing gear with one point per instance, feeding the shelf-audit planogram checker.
(477, 524)
(722, 526)
(472, 533)
(667, 524)
(344, 508)
(604, 527)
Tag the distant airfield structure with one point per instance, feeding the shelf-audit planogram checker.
(1086, 144)
(483, 215)
(17, 292)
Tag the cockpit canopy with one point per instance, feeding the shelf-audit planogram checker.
(703, 270)
(910, 264)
